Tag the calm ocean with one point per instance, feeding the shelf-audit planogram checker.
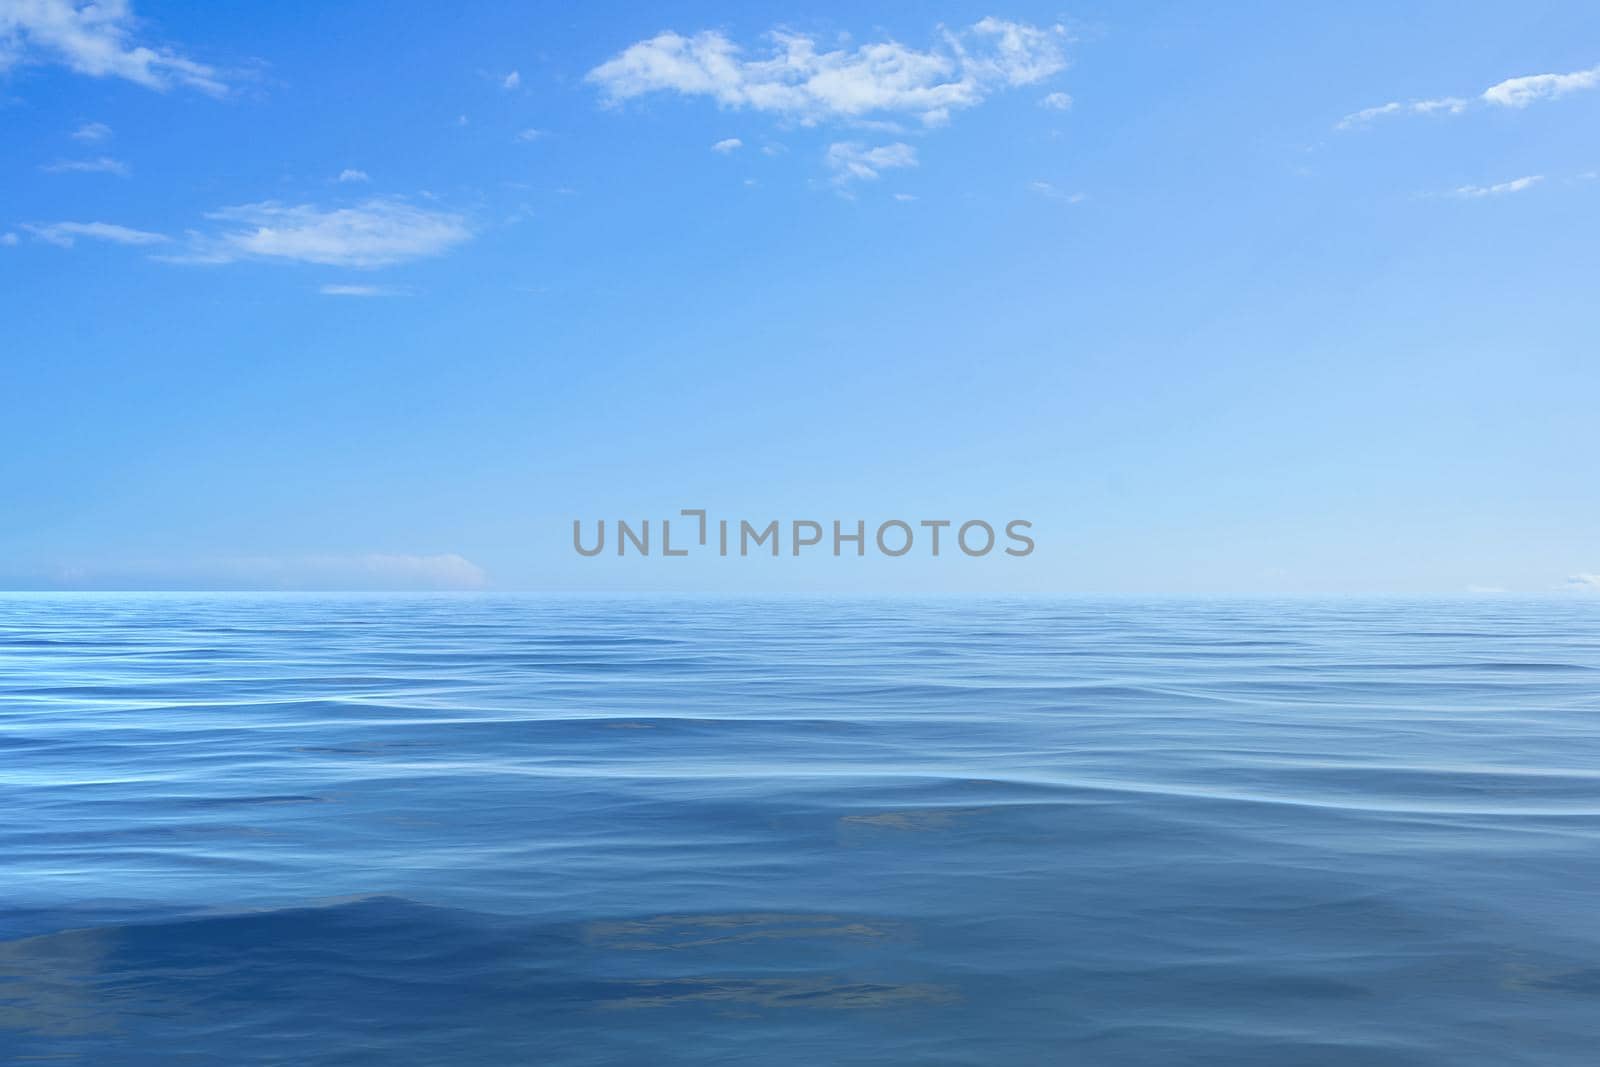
(390, 830)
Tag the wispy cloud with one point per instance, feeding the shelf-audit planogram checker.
(1367, 114)
(338, 289)
(1515, 185)
(1512, 93)
(97, 39)
(377, 233)
(853, 161)
(91, 132)
(798, 80)
(1444, 105)
(1585, 582)
(8, 240)
(727, 144)
(1053, 192)
(511, 81)
(1056, 101)
(350, 174)
(529, 134)
(66, 234)
(372, 571)
(101, 165)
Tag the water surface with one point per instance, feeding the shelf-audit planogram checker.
(515, 830)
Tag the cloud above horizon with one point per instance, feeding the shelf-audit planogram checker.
(796, 80)
(1516, 93)
(368, 572)
(96, 39)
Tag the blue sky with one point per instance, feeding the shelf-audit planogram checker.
(1251, 298)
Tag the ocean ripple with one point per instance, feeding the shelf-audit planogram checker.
(322, 830)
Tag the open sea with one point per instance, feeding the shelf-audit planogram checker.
(515, 830)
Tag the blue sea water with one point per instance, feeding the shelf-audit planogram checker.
(395, 830)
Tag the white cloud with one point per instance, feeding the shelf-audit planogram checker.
(1044, 188)
(1013, 53)
(1449, 105)
(852, 161)
(350, 174)
(511, 81)
(66, 234)
(529, 134)
(96, 39)
(796, 80)
(91, 132)
(102, 165)
(443, 571)
(727, 144)
(1516, 185)
(1584, 582)
(1520, 92)
(904, 198)
(1056, 101)
(372, 571)
(1513, 93)
(377, 233)
(1367, 114)
(8, 240)
(336, 289)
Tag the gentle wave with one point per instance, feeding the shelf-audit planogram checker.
(505, 830)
